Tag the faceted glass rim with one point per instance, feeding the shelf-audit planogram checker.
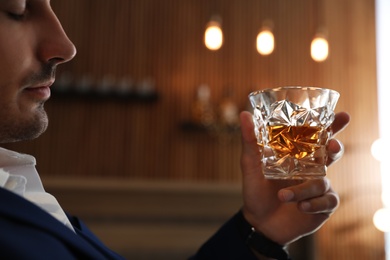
(254, 93)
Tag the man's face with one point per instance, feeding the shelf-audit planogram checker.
(32, 44)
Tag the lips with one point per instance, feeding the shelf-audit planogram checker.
(39, 92)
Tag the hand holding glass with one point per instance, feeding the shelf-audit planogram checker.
(292, 126)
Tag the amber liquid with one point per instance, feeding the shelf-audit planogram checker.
(296, 141)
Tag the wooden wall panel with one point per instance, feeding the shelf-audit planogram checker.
(163, 40)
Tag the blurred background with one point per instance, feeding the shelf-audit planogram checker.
(143, 142)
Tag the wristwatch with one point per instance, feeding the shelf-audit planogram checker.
(258, 242)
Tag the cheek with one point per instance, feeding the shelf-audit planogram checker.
(9, 68)
(16, 63)
(9, 79)
(16, 55)
(15, 66)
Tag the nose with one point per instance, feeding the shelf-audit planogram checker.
(55, 46)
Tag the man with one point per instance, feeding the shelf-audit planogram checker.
(32, 223)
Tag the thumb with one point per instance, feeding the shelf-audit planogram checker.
(250, 156)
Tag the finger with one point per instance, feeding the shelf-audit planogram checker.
(305, 191)
(247, 127)
(250, 157)
(335, 151)
(341, 121)
(327, 204)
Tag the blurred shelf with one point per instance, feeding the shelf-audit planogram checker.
(93, 94)
(189, 126)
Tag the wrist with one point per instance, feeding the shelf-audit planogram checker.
(258, 242)
(262, 226)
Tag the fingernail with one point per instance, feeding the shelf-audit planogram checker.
(305, 205)
(287, 195)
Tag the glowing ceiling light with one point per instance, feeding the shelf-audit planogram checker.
(319, 48)
(265, 42)
(213, 36)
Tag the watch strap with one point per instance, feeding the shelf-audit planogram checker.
(258, 242)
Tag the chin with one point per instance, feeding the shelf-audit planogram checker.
(11, 132)
(22, 135)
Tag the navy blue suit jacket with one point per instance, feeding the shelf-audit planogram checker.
(28, 232)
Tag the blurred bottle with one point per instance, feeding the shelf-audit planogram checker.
(202, 109)
(228, 110)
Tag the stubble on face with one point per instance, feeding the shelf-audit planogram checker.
(26, 125)
(14, 130)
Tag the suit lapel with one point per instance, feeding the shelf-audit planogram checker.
(22, 210)
(83, 231)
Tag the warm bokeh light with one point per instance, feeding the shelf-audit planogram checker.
(319, 49)
(213, 37)
(265, 42)
(381, 219)
(382, 23)
(378, 150)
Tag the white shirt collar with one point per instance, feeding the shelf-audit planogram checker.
(21, 165)
(18, 174)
